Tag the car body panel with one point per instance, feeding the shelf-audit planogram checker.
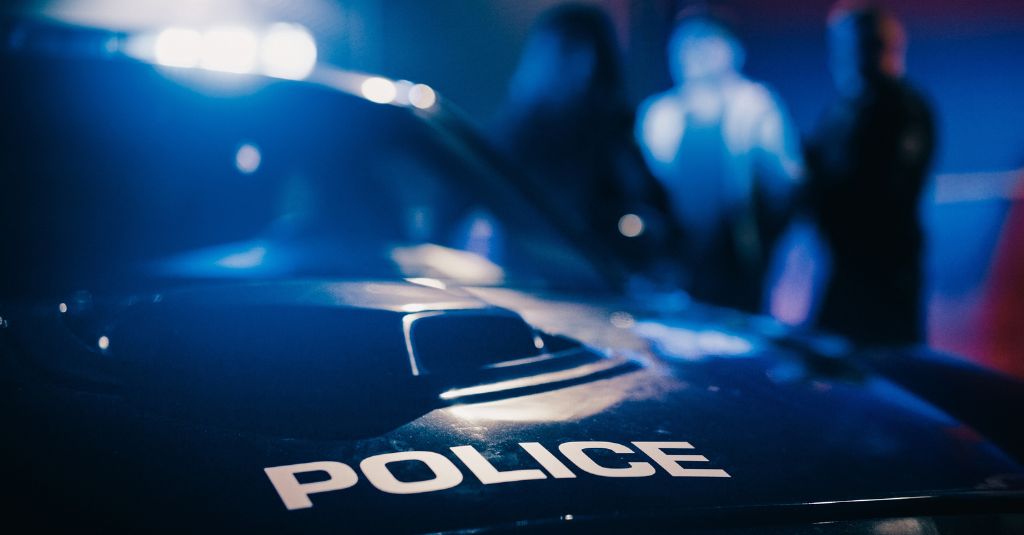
(786, 433)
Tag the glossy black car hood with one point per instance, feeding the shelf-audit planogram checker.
(795, 430)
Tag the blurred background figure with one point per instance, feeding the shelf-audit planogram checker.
(567, 123)
(868, 164)
(725, 149)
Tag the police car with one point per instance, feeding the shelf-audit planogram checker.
(239, 300)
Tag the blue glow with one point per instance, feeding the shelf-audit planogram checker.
(481, 234)
(234, 260)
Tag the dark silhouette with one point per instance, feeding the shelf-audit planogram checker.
(725, 149)
(868, 162)
(568, 125)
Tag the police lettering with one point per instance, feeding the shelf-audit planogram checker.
(445, 474)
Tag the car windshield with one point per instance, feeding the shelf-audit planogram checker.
(120, 174)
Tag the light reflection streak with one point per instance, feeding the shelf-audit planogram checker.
(428, 282)
(564, 404)
(447, 263)
(535, 380)
(693, 343)
(245, 259)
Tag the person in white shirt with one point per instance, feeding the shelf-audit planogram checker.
(725, 150)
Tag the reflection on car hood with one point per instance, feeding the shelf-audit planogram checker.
(748, 420)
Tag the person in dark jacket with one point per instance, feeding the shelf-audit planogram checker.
(568, 125)
(868, 163)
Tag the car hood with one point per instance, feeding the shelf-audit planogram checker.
(754, 419)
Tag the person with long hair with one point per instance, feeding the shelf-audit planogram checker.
(567, 124)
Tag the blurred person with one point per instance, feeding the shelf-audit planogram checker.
(568, 124)
(868, 164)
(724, 148)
